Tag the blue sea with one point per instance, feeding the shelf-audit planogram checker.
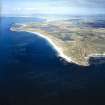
(32, 74)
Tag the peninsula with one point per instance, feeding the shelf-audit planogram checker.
(74, 42)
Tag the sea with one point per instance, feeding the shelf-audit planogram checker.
(31, 73)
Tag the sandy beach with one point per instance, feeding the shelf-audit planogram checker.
(70, 52)
(60, 52)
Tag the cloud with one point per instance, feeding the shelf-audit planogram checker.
(94, 3)
(53, 6)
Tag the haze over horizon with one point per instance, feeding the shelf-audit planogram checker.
(59, 7)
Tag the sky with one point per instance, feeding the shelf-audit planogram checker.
(30, 7)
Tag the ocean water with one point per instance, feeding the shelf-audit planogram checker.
(32, 74)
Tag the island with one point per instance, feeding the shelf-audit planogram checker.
(75, 40)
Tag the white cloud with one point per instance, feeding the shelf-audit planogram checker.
(54, 6)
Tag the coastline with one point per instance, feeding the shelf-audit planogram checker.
(59, 50)
(75, 52)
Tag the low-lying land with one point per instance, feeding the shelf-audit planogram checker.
(77, 42)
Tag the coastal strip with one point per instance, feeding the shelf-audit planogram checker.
(79, 52)
(59, 50)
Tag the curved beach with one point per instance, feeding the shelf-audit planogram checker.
(59, 51)
(74, 45)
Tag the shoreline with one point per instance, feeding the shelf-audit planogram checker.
(81, 59)
(59, 51)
